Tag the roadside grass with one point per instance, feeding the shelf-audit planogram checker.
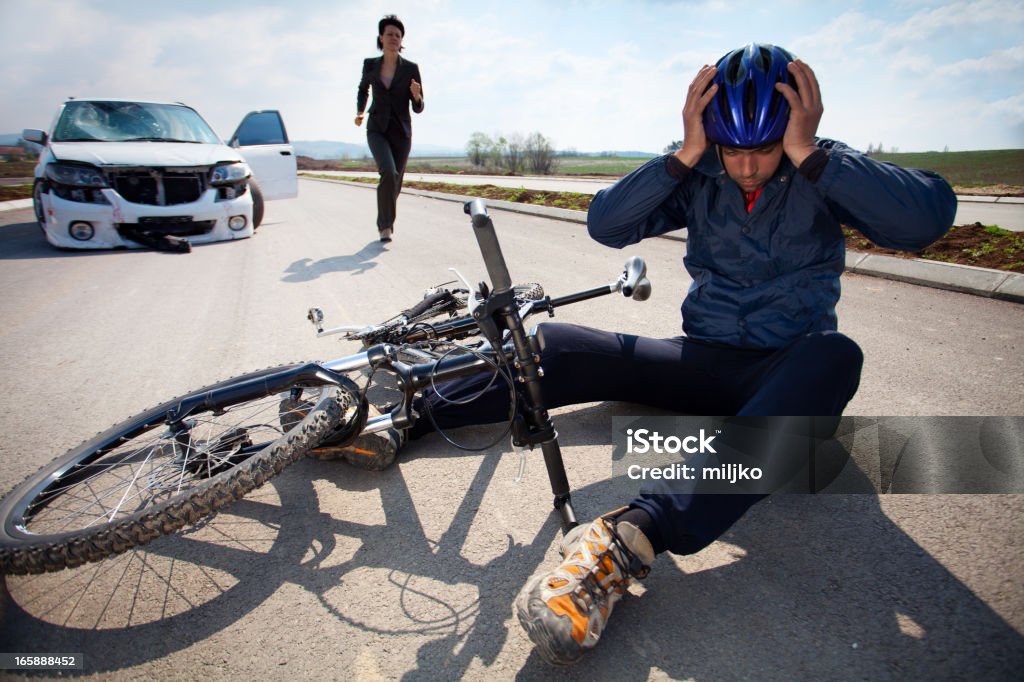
(575, 201)
(17, 169)
(984, 246)
(12, 192)
(564, 165)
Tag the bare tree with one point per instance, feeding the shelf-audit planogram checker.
(478, 147)
(497, 151)
(515, 154)
(540, 155)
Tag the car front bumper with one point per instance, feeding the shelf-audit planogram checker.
(201, 221)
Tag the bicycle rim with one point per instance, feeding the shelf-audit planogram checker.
(164, 469)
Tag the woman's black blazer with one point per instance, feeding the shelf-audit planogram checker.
(388, 102)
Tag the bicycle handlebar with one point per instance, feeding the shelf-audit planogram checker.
(427, 303)
(490, 249)
(496, 315)
(635, 284)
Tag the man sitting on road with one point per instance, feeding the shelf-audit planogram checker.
(763, 200)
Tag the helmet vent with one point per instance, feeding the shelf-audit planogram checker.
(733, 73)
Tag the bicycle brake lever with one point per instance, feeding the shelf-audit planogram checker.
(464, 280)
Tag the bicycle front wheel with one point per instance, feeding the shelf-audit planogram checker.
(168, 467)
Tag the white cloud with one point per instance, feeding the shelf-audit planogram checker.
(590, 75)
(1009, 61)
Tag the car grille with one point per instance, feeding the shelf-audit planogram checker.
(159, 188)
(178, 226)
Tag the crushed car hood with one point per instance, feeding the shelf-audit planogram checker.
(144, 153)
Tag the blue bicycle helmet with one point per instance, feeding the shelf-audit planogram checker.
(747, 111)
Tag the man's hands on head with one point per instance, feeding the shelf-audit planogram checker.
(805, 110)
(697, 97)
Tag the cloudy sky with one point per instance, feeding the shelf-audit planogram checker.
(590, 75)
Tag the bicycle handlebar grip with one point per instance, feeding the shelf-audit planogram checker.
(490, 249)
(427, 303)
(635, 270)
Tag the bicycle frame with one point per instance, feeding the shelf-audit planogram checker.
(493, 312)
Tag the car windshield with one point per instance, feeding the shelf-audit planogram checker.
(92, 121)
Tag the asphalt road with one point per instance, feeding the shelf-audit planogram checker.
(335, 573)
(1008, 213)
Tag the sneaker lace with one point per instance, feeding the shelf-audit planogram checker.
(590, 565)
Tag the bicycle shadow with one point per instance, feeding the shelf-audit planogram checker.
(423, 571)
(307, 269)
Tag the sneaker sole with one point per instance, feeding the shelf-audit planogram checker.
(537, 630)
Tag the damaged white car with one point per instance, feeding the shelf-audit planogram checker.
(116, 173)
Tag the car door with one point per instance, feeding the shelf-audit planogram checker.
(261, 138)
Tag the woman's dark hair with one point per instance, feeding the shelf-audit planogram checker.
(389, 20)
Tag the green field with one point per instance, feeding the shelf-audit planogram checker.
(565, 165)
(967, 169)
(599, 165)
(962, 169)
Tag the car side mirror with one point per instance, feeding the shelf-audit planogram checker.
(33, 135)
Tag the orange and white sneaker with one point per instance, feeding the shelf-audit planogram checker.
(565, 611)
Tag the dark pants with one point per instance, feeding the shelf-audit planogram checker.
(816, 375)
(390, 150)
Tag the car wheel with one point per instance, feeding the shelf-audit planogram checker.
(37, 205)
(257, 204)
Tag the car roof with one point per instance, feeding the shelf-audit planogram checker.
(120, 99)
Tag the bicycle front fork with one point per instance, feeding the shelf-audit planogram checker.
(559, 484)
(535, 426)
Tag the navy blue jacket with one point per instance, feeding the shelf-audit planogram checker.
(763, 279)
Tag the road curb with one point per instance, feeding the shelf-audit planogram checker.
(981, 199)
(15, 204)
(1006, 286)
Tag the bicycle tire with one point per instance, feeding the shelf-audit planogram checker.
(166, 468)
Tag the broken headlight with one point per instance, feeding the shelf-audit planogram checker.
(229, 174)
(230, 179)
(77, 182)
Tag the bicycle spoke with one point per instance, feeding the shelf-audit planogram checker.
(157, 467)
